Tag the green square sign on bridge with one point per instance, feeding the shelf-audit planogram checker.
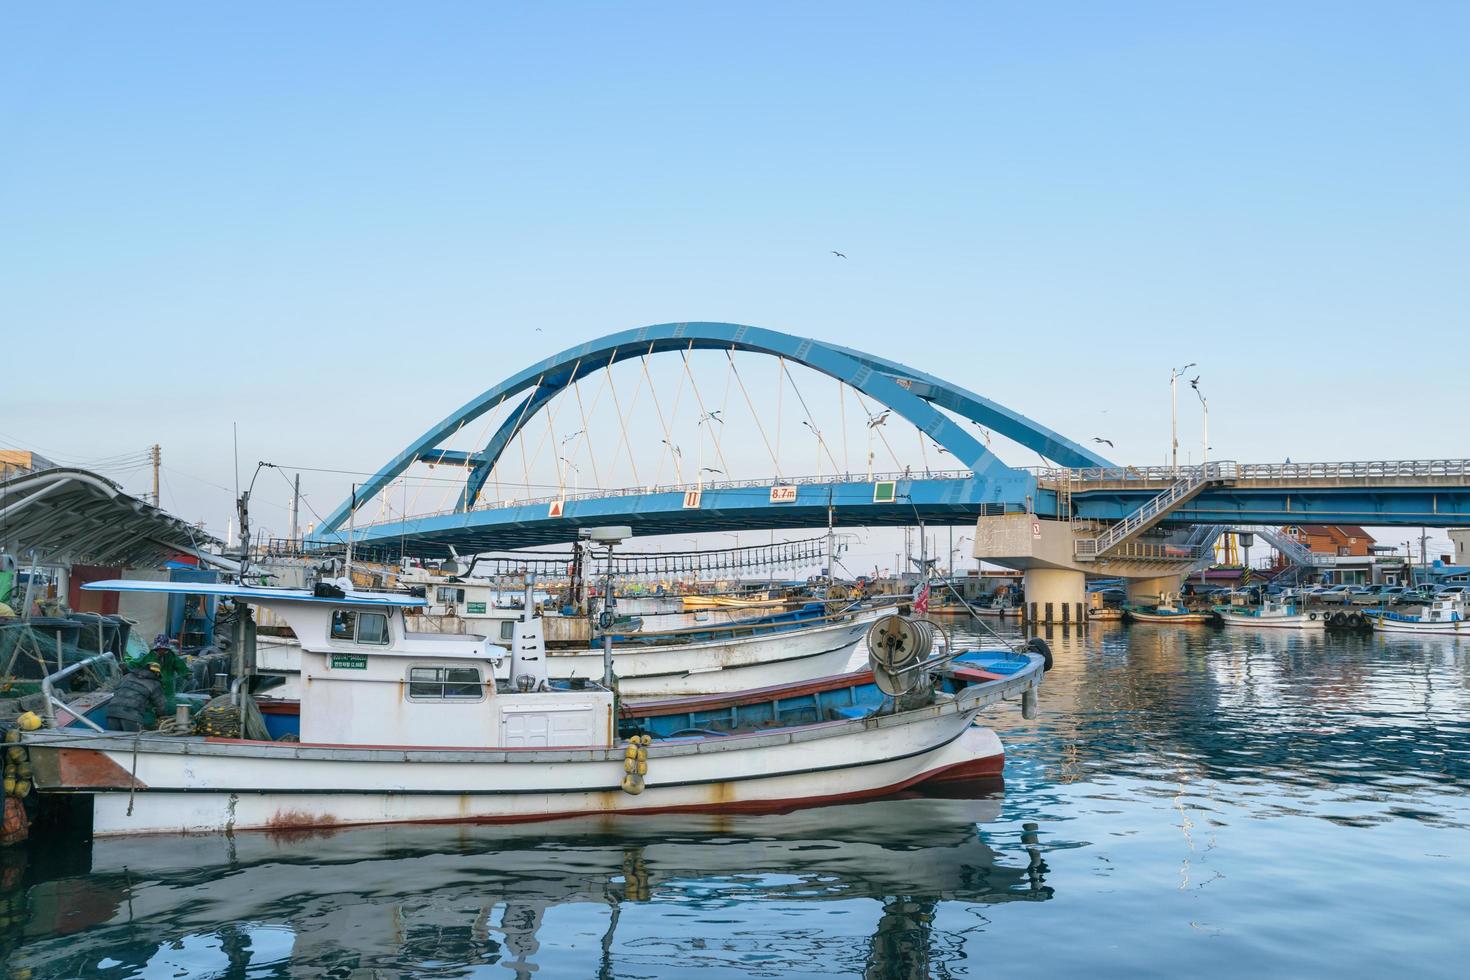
(348, 661)
(885, 491)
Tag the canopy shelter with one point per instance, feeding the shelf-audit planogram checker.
(70, 516)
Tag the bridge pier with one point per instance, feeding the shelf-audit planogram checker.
(1055, 595)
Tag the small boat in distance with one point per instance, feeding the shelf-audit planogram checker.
(1443, 616)
(1272, 613)
(1169, 610)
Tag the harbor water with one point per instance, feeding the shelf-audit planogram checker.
(1189, 801)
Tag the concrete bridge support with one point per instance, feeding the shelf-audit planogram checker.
(1055, 595)
(1145, 591)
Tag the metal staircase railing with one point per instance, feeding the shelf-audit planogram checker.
(1156, 509)
(1294, 551)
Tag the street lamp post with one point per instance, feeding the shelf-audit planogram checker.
(1174, 374)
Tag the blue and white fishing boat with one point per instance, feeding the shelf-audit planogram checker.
(1169, 609)
(1443, 616)
(1272, 613)
(401, 726)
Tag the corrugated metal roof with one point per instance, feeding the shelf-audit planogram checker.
(72, 516)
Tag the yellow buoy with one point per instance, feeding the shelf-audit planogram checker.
(29, 722)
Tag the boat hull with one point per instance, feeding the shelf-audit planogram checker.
(1384, 625)
(171, 786)
(723, 666)
(1295, 621)
(1173, 619)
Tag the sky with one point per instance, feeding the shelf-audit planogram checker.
(330, 224)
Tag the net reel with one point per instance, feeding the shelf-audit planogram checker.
(896, 646)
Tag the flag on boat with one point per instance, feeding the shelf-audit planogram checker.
(921, 598)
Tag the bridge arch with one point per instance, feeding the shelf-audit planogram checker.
(911, 394)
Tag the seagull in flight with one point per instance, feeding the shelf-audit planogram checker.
(711, 469)
(1106, 442)
(713, 416)
(672, 448)
(572, 436)
(879, 419)
(1194, 381)
(838, 254)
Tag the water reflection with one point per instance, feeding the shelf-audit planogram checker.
(1353, 715)
(1242, 802)
(606, 896)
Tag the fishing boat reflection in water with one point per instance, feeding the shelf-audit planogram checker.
(571, 898)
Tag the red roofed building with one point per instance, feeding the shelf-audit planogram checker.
(1342, 540)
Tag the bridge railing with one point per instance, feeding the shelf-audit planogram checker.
(763, 484)
(1275, 472)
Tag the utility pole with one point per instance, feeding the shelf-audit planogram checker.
(155, 454)
(295, 507)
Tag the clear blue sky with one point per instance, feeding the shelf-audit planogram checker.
(365, 210)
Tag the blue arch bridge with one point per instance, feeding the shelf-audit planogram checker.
(1082, 515)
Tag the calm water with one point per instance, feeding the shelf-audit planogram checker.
(1189, 802)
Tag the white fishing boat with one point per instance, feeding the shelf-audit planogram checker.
(1272, 613)
(401, 726)
(714, 659)
(1443, 616)
(1170, 609)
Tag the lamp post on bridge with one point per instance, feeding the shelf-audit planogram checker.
(1174, 374)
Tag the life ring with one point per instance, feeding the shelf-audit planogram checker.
(1312, 617)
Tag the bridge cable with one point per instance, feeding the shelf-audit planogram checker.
(622, 421)
(586, 434)
(550, 409)
(703, 414)
(724, 411)
(494, 473)
(821, 441)
(668, 436)
(878, 428)
(760, 428)
(842, 407)
(780, 389)
(520, 424)
(561, 480)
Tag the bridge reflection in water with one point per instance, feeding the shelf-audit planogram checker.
(570, 898)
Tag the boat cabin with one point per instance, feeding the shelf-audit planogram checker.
(367, 679)
(1445, 610)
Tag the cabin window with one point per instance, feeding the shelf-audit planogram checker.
(344, 625)
(362, 627)
(508, 630)
(372, 628)
(445, 684)
(449, 596)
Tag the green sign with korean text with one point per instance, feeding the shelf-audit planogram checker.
(348, 661)
(474, 607)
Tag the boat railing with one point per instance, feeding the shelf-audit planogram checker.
(738, 630)
(48, 690)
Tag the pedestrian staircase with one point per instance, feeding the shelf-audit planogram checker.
(1179, 493)
(1302, 558)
